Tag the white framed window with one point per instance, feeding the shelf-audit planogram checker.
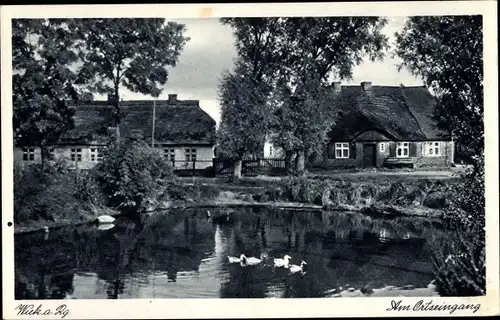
(341, 150)
(76, 154)
(382, 147)
(432, 149)
(191, 154)
(169, 154)
(95, 155)
(28, 154)
(402, 149)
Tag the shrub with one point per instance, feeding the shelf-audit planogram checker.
(132, 173)
(460, 263)
(52, 192)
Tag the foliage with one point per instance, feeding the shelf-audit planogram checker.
(53, 192)
(460, 263)
(129, 52)
(244, 93)
(131, 173)
(322, 48)
(43, 53)
(446, 51)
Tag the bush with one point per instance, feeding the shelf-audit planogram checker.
(131, 174)
(460, 263)
(52, 192)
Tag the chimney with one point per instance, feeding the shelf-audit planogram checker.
(172, 98)
(337, 86)
(367, 86)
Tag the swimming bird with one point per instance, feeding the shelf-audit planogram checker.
(251, 261)
(46, 229)
(285, 262)
(234, 259)
(295, 268)
(208, 214)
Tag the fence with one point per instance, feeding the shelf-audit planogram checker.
(225, 167)
(250, 167)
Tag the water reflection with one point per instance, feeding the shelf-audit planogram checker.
(184, 254)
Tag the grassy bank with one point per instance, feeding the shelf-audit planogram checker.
(381, 197)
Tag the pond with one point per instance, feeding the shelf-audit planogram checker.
(184, 254)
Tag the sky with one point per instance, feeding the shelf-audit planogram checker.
(211, 51)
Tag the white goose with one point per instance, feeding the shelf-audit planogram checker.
(235, 259)
(280, 263)
(251, 261)
(295, 268)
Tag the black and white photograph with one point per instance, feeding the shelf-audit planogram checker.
(324, 156)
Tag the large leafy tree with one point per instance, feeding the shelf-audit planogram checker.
(447, 52)
(244, 93)
(43, 54)
(323, 48)
(127, 52)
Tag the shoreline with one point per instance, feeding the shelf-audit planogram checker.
(402, 212)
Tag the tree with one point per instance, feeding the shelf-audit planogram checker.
(132, 53)
(446, 52)
(43, 53)
(322, 48)
(244, 93)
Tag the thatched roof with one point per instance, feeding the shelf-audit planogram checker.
(179, 122)
(402, 113)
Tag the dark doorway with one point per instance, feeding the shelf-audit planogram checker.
(369, 157)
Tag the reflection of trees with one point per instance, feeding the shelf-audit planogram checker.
(46, 269)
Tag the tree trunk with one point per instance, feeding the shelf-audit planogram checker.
(44, 152)
(237, 169)
(289, 155)
(116, 104)
(300, 162)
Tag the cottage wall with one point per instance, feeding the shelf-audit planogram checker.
(420, 160)
(277, 152)
(204, 156)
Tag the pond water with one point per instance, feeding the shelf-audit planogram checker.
(183, 254)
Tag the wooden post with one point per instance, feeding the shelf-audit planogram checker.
(153, 127)
(194, 167)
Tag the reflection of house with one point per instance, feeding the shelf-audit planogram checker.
(383, 126)
(182, 130)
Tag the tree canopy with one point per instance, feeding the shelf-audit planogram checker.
(43, 52)
(127, 52)
(446, 51)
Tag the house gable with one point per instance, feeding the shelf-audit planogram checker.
(373, 135)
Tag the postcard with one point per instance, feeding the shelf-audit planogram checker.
(250, 160)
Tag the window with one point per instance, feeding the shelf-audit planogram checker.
(76, 154)
(403, 149)
(95, 155)
(190, 154)
(270, 150)
(382, 147)
(52, 153)
(29, 154)
(342, 150)
(432, 149)
(169, 154)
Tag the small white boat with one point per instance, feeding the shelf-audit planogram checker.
(282, 263)
(106, 219)
(295, 268)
